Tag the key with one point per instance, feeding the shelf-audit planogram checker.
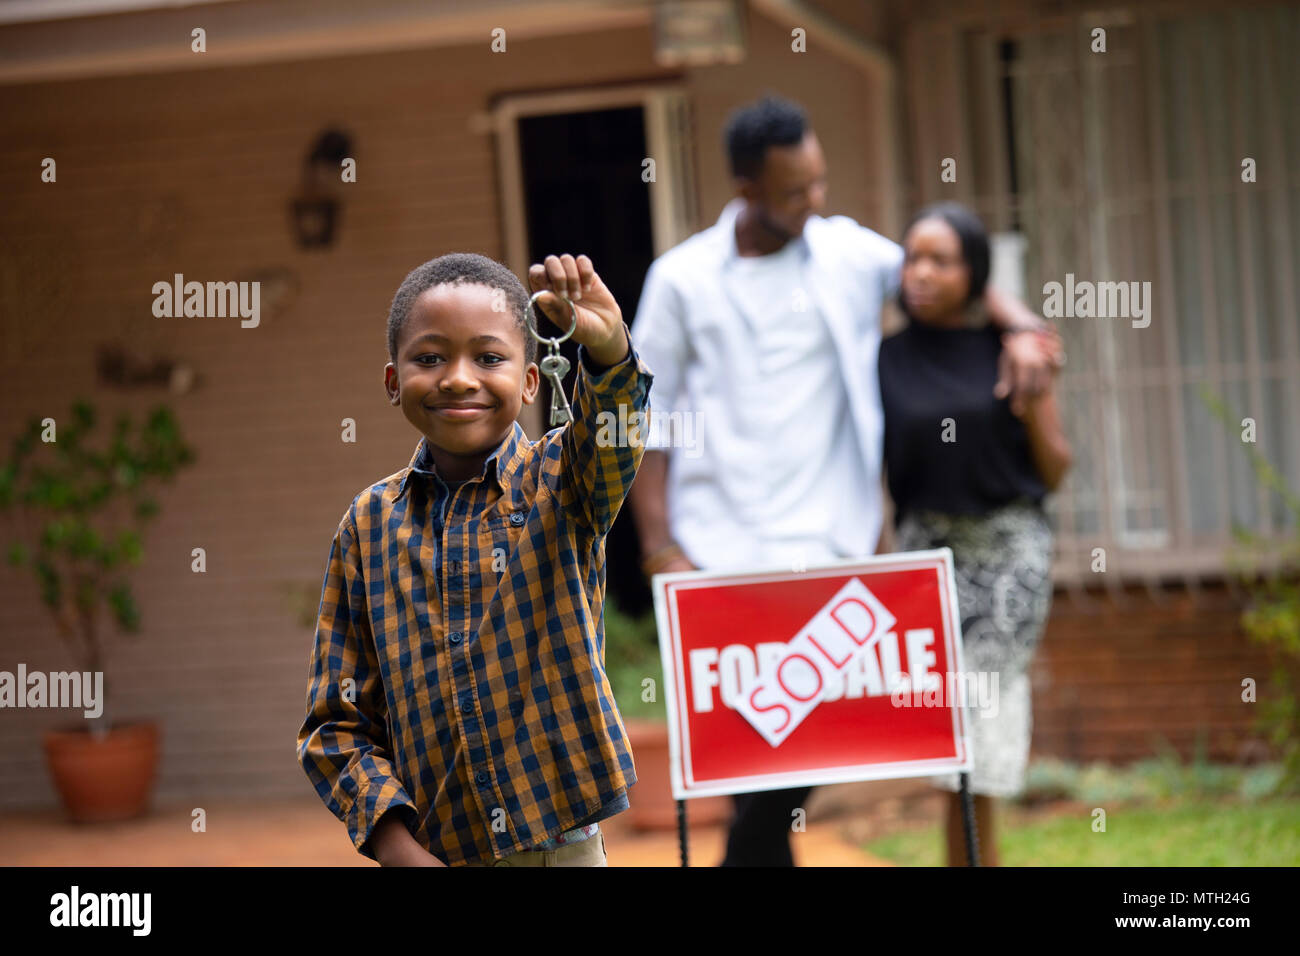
(555, 367)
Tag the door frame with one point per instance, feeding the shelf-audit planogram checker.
(673, 205)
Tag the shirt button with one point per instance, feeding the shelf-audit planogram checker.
(467, 706)
(454, 637)
(482, 778)
(517, 517)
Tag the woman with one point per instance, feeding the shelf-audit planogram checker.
(969, 472)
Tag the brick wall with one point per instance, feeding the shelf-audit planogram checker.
(1118, 672)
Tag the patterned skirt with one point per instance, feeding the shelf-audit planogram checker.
(1004, 592)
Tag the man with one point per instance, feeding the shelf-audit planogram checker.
(764, 329)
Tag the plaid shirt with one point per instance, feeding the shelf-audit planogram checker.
(478, 706)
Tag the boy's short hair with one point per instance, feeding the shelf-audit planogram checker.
(460, 268)
(750, 130)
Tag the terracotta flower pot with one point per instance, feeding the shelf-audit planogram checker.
(651, 803)
(104, 778)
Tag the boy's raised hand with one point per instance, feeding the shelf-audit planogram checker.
(600, 320)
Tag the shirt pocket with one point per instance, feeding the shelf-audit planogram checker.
(501, 537)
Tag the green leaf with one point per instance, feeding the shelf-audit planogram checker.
(26, 441)
(97, 494)
(51, 586)
(54, 533)
(8, 478)
(122, 603)
(129, 547)
(84, 542)
(83, 414)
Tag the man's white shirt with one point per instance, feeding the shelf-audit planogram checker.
(773, 358)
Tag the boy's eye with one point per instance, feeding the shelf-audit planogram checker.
(491, 358)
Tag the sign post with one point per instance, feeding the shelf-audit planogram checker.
(832, 674)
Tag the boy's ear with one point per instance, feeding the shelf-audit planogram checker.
(532, 382)
(392, 387)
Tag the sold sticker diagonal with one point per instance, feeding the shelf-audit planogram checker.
(789, 687)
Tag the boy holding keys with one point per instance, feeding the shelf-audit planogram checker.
(458, 710)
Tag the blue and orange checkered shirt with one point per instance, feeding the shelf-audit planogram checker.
(458, 672)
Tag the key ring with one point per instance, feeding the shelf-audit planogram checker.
(532, 325)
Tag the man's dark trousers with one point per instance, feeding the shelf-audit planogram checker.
(760, 830)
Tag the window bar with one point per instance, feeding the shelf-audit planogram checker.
(1180, 507)
(1214, 371)
(1133, 240)
(1284, 234)
(1235, 95)
(1030, 93)
(1092, 243)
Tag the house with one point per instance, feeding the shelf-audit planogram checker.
(202, 141)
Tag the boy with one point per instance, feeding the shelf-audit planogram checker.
(458, 710)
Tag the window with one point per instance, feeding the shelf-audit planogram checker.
(1126, 166)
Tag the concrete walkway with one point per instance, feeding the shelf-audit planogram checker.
(301, 833)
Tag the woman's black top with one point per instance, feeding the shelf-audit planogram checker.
(929, 374)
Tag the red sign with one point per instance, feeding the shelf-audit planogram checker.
(827, 675)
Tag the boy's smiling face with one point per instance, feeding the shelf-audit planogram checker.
(461, 375)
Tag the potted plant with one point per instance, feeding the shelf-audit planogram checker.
(75, 515)
(636, 673)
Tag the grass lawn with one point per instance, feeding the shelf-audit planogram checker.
(1185, 832)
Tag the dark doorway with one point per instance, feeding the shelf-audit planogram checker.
(583, 193)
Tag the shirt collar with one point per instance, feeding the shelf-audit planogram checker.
(727, 224)
(499, 464)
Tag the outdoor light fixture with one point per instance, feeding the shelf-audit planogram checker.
(315, 210)
(698, 32)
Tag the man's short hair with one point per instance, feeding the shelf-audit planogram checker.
(750, 130)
